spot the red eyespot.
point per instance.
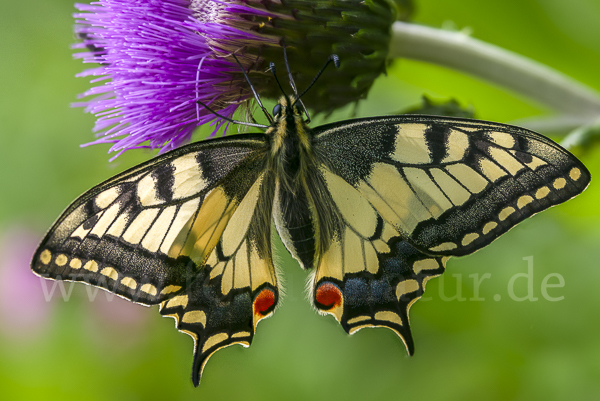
(264, 301)
(328, 295)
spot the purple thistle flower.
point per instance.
(157, 58)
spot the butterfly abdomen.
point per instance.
(296, 224)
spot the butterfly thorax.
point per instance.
(290, 137)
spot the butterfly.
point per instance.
(373, 207)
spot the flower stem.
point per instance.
(520, 74)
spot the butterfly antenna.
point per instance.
(293, 84)
(274, 72)
(230, 119)
(336, 62)
(287, 66)
(266, 113)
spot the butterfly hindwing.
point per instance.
(189, 229)
(450, 186)
(237, 287)
(368, 275)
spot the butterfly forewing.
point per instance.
(124, 234)
(450, 186)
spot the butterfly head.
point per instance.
(288, 118)
(286, 108)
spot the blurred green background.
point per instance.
(481, 345)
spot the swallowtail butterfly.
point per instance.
(374, 207)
